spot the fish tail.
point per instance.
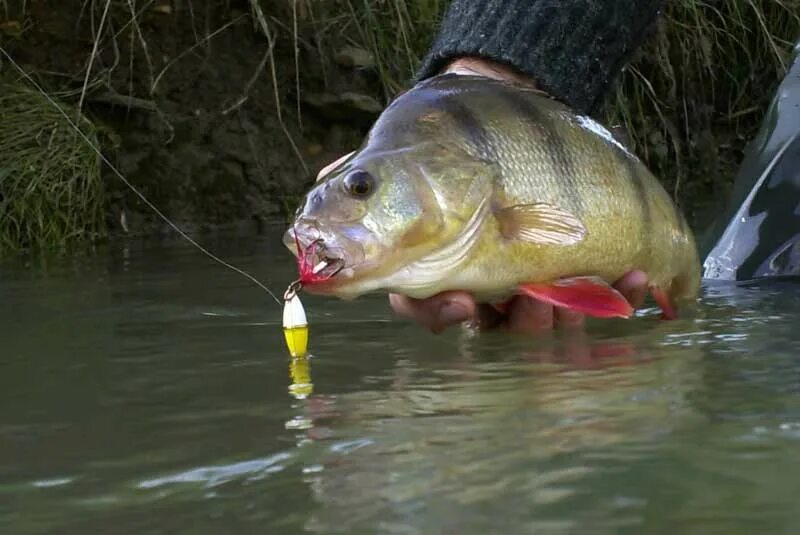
(664, 302)
(682, 289)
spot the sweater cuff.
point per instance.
(573, 49)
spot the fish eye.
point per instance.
(359, 184)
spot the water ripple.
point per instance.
(55, 482)
(217, 475)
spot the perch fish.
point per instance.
(466, 183)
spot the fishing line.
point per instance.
(133, 188)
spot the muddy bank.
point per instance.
(186, 95)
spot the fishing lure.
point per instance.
(295, 323)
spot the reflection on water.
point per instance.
(493, 435)
(145, 390)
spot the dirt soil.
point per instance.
(206, 144)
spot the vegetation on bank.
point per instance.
(699, 88)
(689, 101)
(50, 187)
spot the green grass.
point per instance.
(50, 187)
(396, 32)
(700, 86)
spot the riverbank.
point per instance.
(221, 113)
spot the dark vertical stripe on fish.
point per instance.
(632, 167)
(556, 145)
(467, 123)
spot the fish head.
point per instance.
(368, 218)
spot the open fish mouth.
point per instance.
(316, 262)
(328, 258)
(322, 262)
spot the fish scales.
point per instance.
(545, 155)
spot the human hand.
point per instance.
(489, 69)
(523, 314)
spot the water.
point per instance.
(145, 390)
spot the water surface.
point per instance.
(144, 389)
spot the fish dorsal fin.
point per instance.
(540, 223)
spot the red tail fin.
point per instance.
(663, 302)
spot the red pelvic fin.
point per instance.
(664, 303)
(590, 295)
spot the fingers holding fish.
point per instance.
(473, 66)
(436, 313)
(522, 314)
(569, 318)
(633, 286)
(529, 315)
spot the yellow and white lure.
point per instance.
(295, 324)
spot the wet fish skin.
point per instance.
(483, 186)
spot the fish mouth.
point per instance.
(323, 264)
(318, 262)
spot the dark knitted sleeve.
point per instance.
(572, 48)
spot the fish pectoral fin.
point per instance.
(589, 295)
(540, 223)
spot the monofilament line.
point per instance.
(133, 188)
